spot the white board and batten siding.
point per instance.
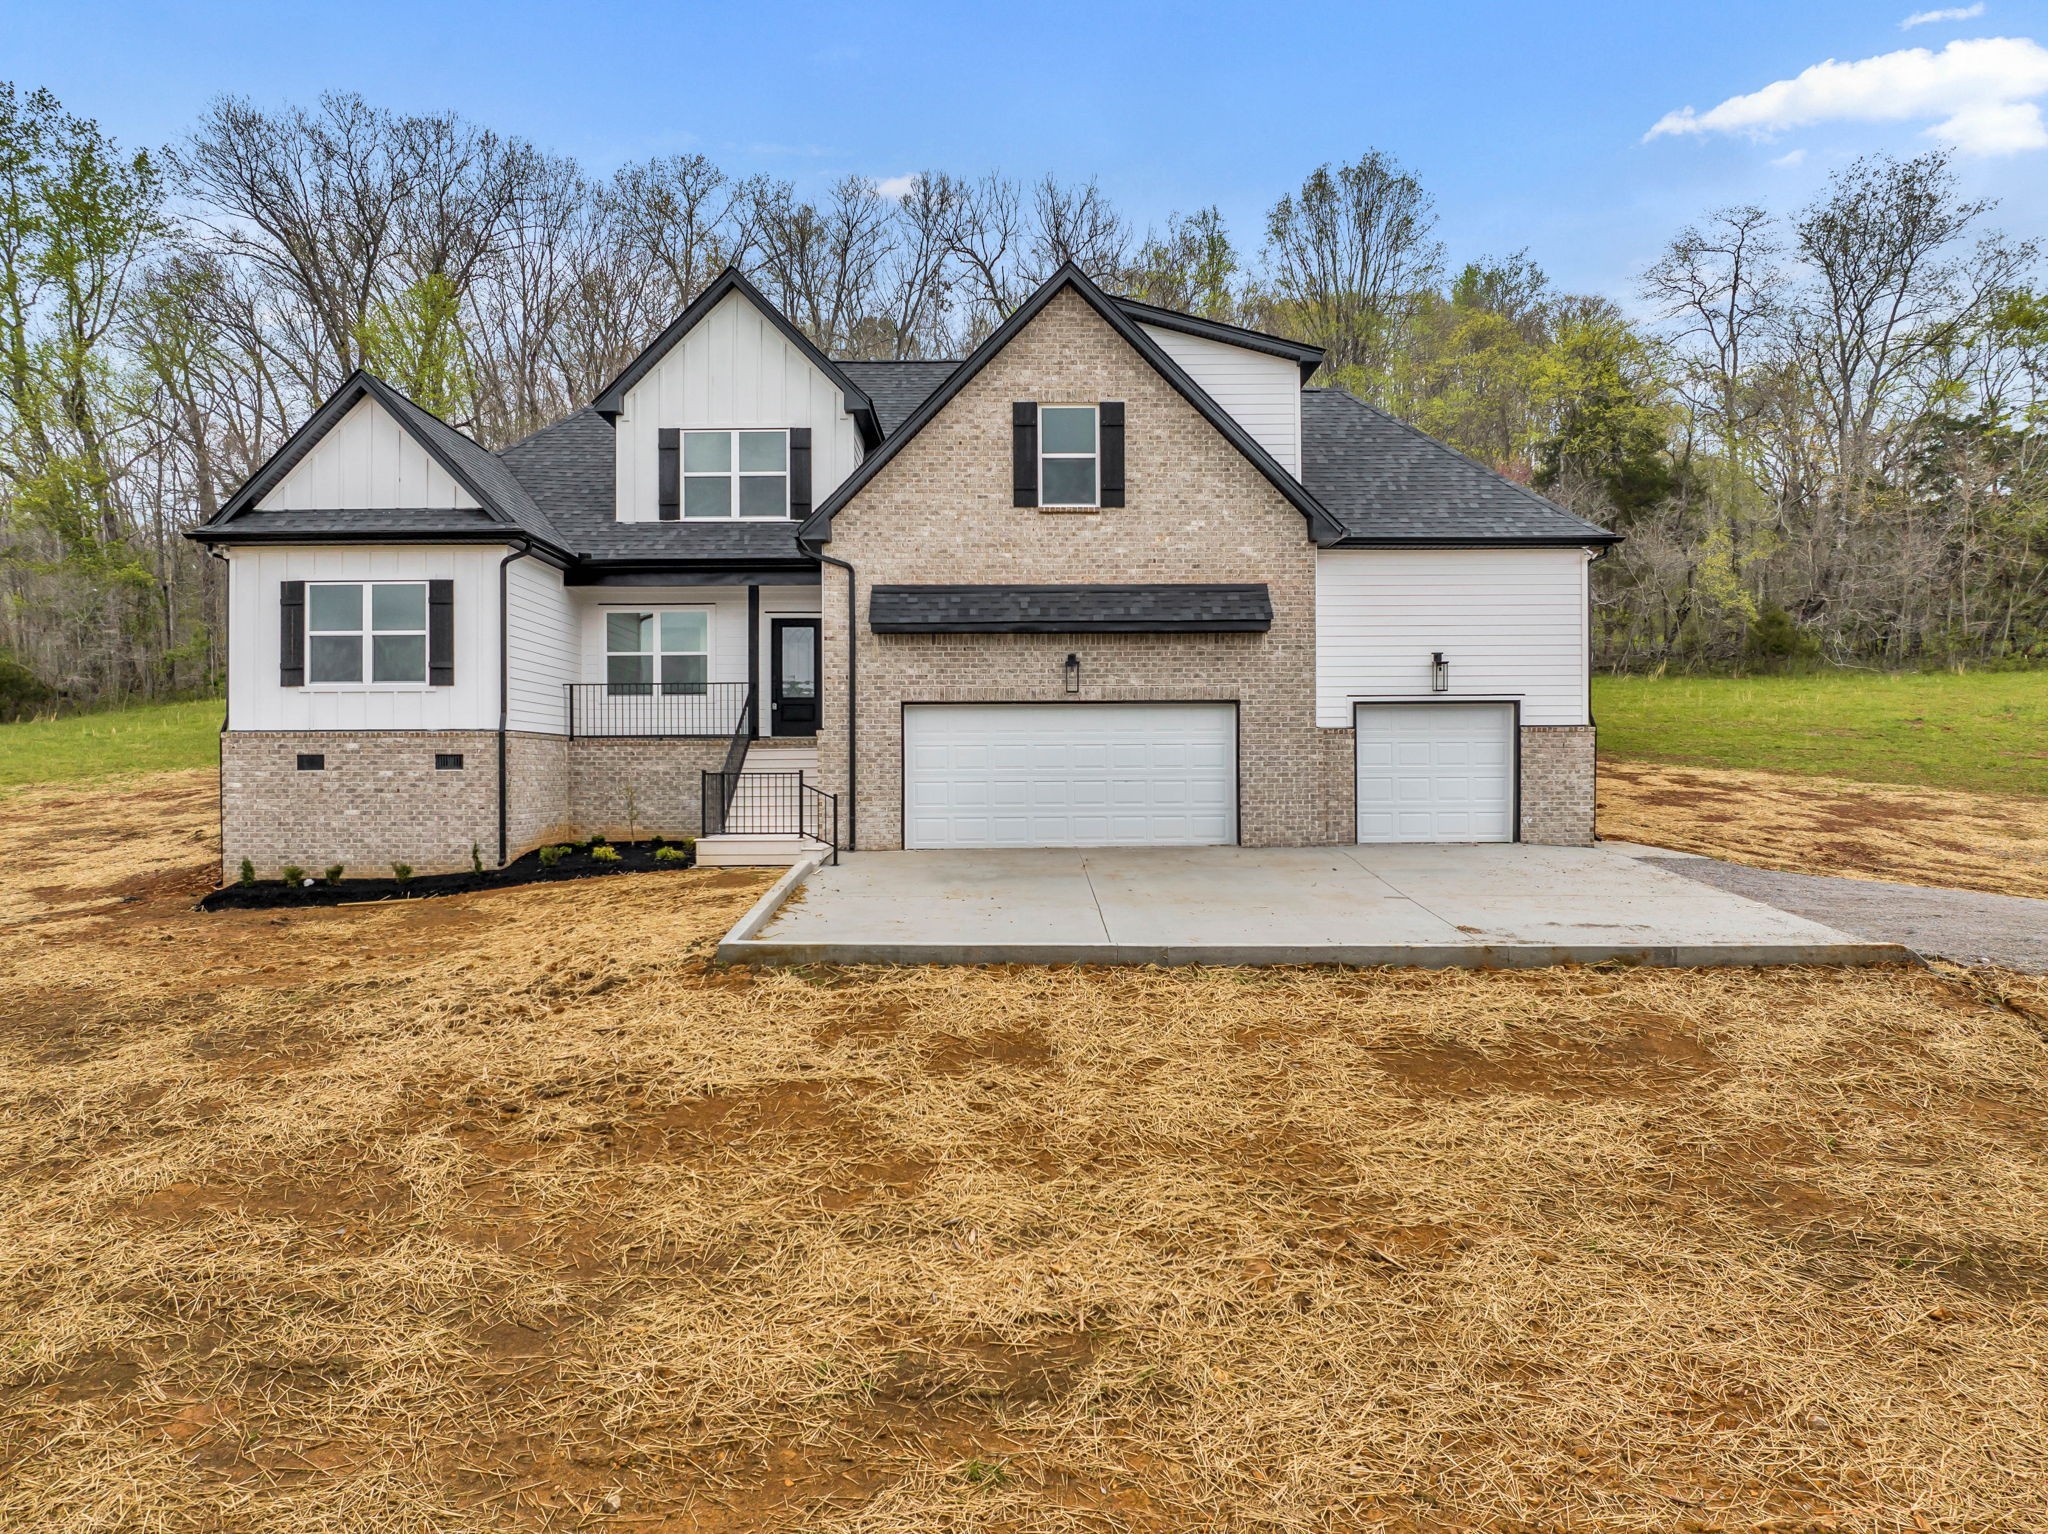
(367, 462)
(1511, 622)
(1260, 391)
(733, 369)
(258, 701)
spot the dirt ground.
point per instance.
(1805, 825)
(506, 1212)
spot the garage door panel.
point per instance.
(1436, 772)
(1126, 774)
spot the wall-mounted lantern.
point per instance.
(1073, 671)
(1439, 673)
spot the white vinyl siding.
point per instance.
(540, 647)
(736, 370)
(1260, 391)
(1436, 772)
(1069, 775)
(367, 462)
(257, 700)
(1511, 622)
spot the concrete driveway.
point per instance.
(1486, 906)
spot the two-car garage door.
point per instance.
(1069, 774)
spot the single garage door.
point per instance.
(1436, 772)
(1069, 774)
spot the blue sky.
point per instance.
(1528, 123)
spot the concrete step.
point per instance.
(762, 758)
(751, 850)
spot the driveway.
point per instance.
(1480, 906)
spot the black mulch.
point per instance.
(634, 858)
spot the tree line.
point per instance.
(1821, 431)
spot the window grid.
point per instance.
(1069, 445)
(735, 475)
(671, 647)
(366, 633)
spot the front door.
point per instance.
(793, 676)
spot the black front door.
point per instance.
(793, 676)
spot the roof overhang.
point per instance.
(1308, 358)
(1581, 541)
(668, 572)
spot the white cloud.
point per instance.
(1790, 158)
(1981, 93)
(1948, 13)
(896, 188)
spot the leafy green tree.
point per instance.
(415, 343)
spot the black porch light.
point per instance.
(1439, 673)
(1073, 671)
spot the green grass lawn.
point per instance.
(1984, 730)
(156, 737)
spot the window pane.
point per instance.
(764, 495)
(629, 675)
(682, 673)
(334, 607)
(1069, 482)
(685, 631)
(1067, 429)
(331, 658)
(764, 450)
(398, 607)
(707, 452)
(398, 658)
(704, 496)
(629, 631)
(800, 662)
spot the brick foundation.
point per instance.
(1557, 785)
(619, 785)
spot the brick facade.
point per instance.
(1196, 510)
(379, 798)
(1557, 785)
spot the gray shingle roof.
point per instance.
(1186, 609)
(1386, 482)
(897, 388)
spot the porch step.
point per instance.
(743, 849)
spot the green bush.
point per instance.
(1775, 639)
(248, 873)
(333, 875)
(22, 692)
(402, 872)
(476, 859)
(670, 855)
(550, 856)
(293, 874)
(602, 853)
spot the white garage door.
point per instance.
(1069, 774)
(1436, 772)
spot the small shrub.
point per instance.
(402, 872)
(22, 692)
(602, 853)
(476, 858)
(687, 843)
(983, 1472)
(293, 874)
(670, 855)
(333, 874)
(550, 856)
(248, 873)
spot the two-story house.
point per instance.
(1119, 577)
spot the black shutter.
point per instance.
(671, 477)
(1024, 452)
(440, 633)
(291, 634)
(799, 472)
(1110, 417)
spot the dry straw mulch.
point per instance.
(1831, 826)
(506, 1212)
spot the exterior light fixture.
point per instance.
(1439, 673)
(1073, 671)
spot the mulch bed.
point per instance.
(634, 858)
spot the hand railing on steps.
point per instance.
(770, 804)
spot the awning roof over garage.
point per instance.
(1192, 609)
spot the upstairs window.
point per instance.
(366, 631)
(1068, 455)
(741, 474)
(648, 651)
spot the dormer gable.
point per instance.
(732, 365)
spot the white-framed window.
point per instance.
(743, 474)
(646, 652)
(1068, 462)
(366, 633)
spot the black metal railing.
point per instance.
(658, 708)
(770, 804)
